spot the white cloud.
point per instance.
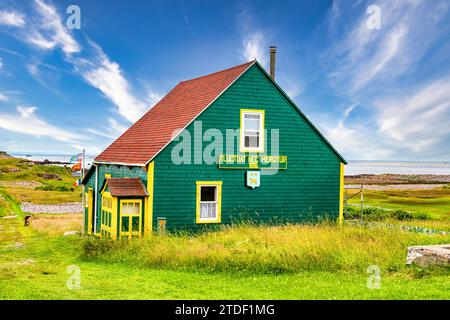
(253, 37)
(356, 142)
(37, 39)
(369, 66)
(417, 120)
(153, 97)
(414, 124)
(253, 48)
(93, 65)
(113, 130)
(3, 97)
(378, 56)
(12, 18)
(27, 122)
(107, 76)
(51, 24)
(32, 69)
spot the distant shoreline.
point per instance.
(354, 167)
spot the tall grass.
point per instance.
(280, 249)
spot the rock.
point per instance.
(26, 261)
(50, 176)
(10, 217)
(4, 155)
(70, 233)
(14, 246)
(425, 256)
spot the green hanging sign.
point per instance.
(241, 161)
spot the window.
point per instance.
(252, 130)
(209, 201)
(130, 218)
(106, 215)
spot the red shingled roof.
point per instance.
(150, 134)
(126, 187)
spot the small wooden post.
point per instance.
(27, 220)
(162, 225)
(362, 201)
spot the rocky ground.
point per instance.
(74, 207)
(394, 179)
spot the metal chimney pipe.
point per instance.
(273, 52)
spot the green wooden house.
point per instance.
(216, 150)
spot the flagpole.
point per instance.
(82, 192)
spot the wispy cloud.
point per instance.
(26, 121)
(369, 66)
(32, 69)
(253, 48)
(48, 33)
(107, 76)
(418, 119)
(3, 97)
(253, 38)
(52, 33)
(153, 97)
(113, 130)
(375, 56)
(12, 18)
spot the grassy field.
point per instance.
(28, 182)
(38, 268)
(435, 203)
(243, 262)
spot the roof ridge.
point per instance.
(220, 71)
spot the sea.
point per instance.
(354, 167)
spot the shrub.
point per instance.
(56, 186)
(377, 214)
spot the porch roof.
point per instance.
(126, 187)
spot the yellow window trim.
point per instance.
(217, 184)
(106, 194)
(113, 229)
(242, 147)
(130, 233)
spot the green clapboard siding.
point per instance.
(307, 190)
(115, 172)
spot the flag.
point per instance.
(77, 183)
(76, 158)
(76, 166)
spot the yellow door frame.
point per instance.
(148, 202)
(90, 210)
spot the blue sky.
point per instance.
(376, 93)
